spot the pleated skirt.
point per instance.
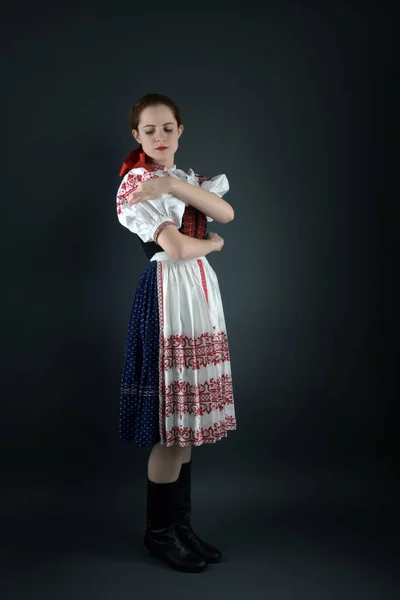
(176, 385)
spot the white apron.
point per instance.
(195, 389)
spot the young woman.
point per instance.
(176, 388)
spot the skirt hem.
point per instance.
(180, 444)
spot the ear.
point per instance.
(136, 135)
(180, 130)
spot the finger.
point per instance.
(135, 198)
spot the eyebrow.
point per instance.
(154, 125)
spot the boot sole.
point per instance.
(213, 561)
(182, 568)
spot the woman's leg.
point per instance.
(165, 462)
(163, 498)
(187, 454)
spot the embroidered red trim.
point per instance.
(182, 397)
(193, 353)
(130, 185)
(186, 436)
(194, 223)
(160, 228)
(203, 278)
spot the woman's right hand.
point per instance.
(217, 239)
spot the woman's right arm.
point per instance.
(182, 247)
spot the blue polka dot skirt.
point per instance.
(176, 385)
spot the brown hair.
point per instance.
(152, 100)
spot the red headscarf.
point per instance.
(137, 158)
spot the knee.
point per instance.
(169, 451)
(179, 451)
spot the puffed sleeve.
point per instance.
(218, 185)
(147, 219)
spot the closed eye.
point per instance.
(165, 129)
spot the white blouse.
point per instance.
(144, 218)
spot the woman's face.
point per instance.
(158, 133)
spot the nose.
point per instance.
(160, 135)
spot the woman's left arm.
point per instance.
(208, 203)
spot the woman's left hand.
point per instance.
(151, 189)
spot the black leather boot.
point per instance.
(184, 528)
(161, 538)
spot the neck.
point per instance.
(168, 163)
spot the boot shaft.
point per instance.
(162, 502)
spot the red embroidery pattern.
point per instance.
(182, 397)
(203, 278)
(202, 222)
(189, 222)
(181, 351)
(194, 223)
(160, 228)
(130, 185)
(127, 187)
(201, 225)
(185, 436)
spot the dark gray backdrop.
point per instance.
(286, 100)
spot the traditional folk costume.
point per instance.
(176, 383)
